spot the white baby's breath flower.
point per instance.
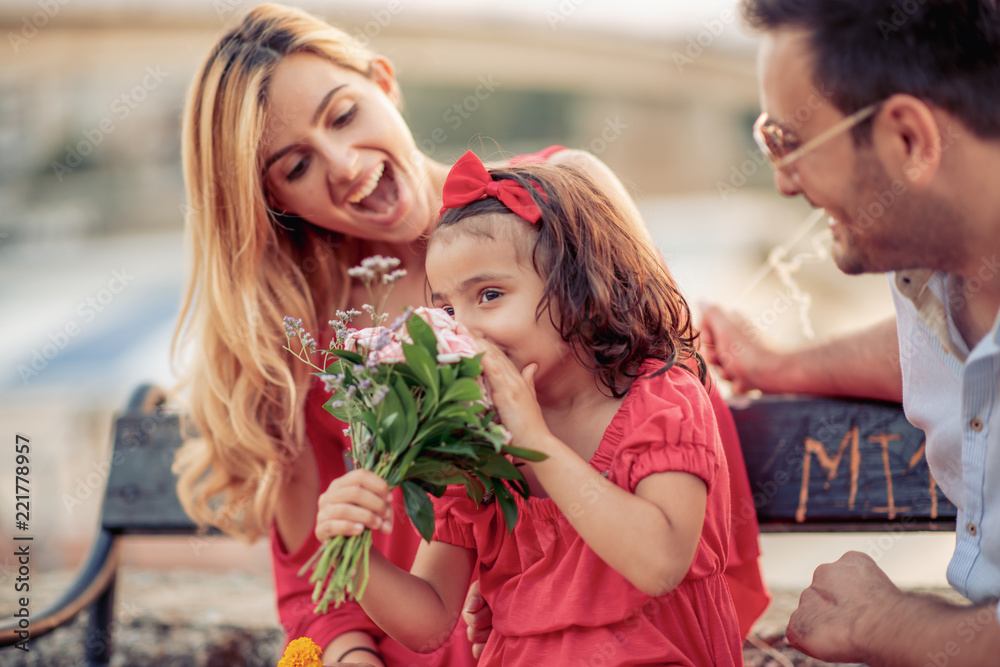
(361, 273)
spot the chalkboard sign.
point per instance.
(829, 464)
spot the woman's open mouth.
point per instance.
(379, 193)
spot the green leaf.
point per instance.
(459, 448)
(405, 372)
(422, 335)
(464, 390)
(433, 489)
(507, 505)
(370, 420)
(497, 440)
(436, 473)
(465, 414)
(526, 454)
(437, 429)
(409, 407)
(335, 368)
(495, 465)
(399, 471)
(390, 420)
(391, 427)
(521, 486)
(340, 413)
(448, 375)
(350, 357)
(419, 508)
(474, 488)
(470, 368)
(424, 366)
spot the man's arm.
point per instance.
(852, 612)
(864, 364)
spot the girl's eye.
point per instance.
(345, 118)
(298, 170)
(449, 310)
(489, 295)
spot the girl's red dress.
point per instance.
(555, 602)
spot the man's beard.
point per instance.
(901, 228)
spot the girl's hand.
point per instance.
(479, 617)
(514, 397)
(354, 501)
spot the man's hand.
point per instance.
(731, 343)
(479, 617)
(838, 612)
(853, 613)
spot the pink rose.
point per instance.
(452, 346)
(391, 353)
(453, 340)
(439, 320)
(363, 340)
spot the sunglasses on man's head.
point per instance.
(783, 147)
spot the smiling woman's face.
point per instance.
(337, 152)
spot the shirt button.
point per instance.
(976, 425)
(971, 528)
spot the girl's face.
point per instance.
(337, 152)
(486, 286)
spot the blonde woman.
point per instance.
(298, 164)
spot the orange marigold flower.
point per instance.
(301, 652)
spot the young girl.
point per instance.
(618, 556)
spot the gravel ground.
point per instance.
(147, 642)
(220, 619)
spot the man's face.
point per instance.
(878, 223)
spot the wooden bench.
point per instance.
(815, 465)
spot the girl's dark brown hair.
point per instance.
(607, 290)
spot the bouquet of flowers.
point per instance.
(418, 415)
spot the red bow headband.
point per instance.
(468, 181)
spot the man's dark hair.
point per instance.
(946, 52)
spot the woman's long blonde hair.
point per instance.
(249, 267)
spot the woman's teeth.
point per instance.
(369, 185)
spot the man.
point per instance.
(904, 158)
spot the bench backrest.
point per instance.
(141, 495)
(814, 464)
(837, 465)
